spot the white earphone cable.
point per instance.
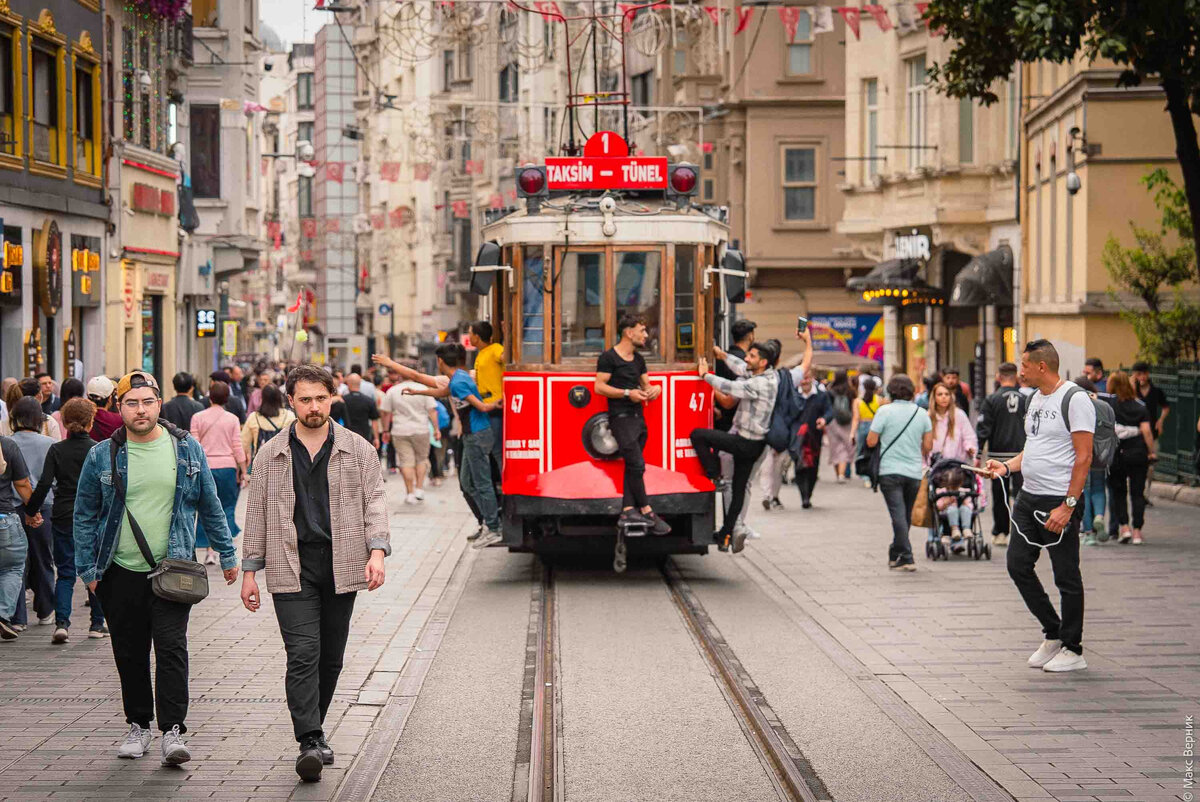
(1039, 516)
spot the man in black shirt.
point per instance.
(952, 381)
(621, 378)
(362, 414)
(180, 409)
(1153, 397)
(742, 332)
(1002, 431)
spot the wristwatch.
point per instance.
(626, 393)
(1070, 501)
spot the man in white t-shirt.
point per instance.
(1059, 426)
(407, 415)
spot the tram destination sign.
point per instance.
(606, 172)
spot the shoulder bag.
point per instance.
(875, 455)
(181, 581)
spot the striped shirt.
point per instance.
(756, 394)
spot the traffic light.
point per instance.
(532, 186)
(683, 181)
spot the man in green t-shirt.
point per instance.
(167, 484)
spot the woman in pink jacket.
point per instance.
(220, 435)
(953, 438)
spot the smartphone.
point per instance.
(801, 324)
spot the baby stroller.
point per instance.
(949, 480)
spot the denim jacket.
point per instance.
(98, 518)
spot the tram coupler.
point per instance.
(620, 553)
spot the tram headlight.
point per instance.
(682, 182)
(598, 440)
(531, 185)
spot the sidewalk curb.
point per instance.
(1173, 492)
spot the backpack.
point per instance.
(264, 434)
(785, 416)
(841, 409)
(1104, 442)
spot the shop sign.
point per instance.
(913, 244)
(13, 256)
(229, 332)
(85, 279)
(129, 291)
(70, 351)
(157, 280)
(152, 200)
(206, 323)
(860, 335)
(33, 351)
(48, 262)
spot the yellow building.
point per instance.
(1079, 121)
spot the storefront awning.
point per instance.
(896, 282)
(986, 280)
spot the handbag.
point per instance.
(182, 581)
(920, 510)
(876, 454)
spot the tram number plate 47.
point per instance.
(606, 172)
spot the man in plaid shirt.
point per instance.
(756, 394)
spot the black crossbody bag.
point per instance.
(874, 455)
(181, 581)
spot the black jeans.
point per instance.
(630, 433)
(1124, 482)
(806, 480)
(314, 622)
(899, 494)
(1064, 559)
(39, 569)
(1000, 522)
(745, 453)
(136, 619)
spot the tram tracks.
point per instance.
(538, 776)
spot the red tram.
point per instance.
(602, 235)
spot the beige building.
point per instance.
(930, 184)
(770, 148)
(1079, 120)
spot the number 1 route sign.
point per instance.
(606, 164)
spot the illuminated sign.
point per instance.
(84, 261)
(606, 172)
(206, 323)
(14, 255)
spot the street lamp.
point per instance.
(304, 152)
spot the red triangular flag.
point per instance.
(378, 221)
(744, 15)
(389, 171)
(790, 17)
(852, 16)
(496, 201)
(334, 171)
(308, 226)
(460, 208)
(881, 17)
(714, 14)
(548, 9)
(294, 308)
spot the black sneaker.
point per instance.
(309, 762)
(657, 525)
(7, 630)
(326, 751)
(807, 505)
(722, 541)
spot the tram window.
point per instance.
(533, 304)
(583, 304)
(637, 290)
(685, 303)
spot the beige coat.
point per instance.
(357, 513)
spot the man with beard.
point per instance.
(136, 503)
(341, 539)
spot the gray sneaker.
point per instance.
(488, 538)
(174, 750)
(475, 535)
(136, 742)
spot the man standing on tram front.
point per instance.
(621, 377)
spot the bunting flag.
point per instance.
(460, 209)
(474, 167)
(714, 14)
(306, 256)
(512, 195)
(335, 171)
(308, 226)
(628, 11)
(272, 228)
(822, 19)
(400, 216)
(378, 221)
(421, 171)
(852, 16)
(881, 17)
(744, 15)
(294, 308)
(707, 147)
(333, 225)
(496, 201)
(390, 171)
(790, 17)
(548, 9)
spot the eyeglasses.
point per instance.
(132, 404)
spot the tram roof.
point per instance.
(576, 218)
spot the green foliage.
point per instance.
(1165, 332)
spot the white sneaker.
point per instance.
(174, 751)
(136, 742)
(46, 621)
(419, 493)
(411, 498)
(488, 538)
(479, 530)
(212, 558)
(1045, 653)
(750, 533)
(1066, 660)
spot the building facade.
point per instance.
(51, 188)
